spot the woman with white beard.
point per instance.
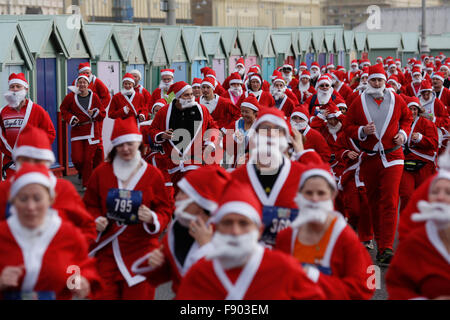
(19, 113)
(238, 267)
(128, 200)
(320, 239)
(421, 266)
(40, 251)
(167, 76)
(189, 235)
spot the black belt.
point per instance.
(83, 123)
(387, 151)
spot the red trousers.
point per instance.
(382, 185)
(355, 208)
(83, 155)
(412, 180)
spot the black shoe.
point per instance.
(385, 258)
(369, 245)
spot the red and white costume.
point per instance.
(96, 85)
(123, 106)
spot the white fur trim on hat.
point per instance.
(438, 77)
(279, 80)
(33, 152)
(255, 77)
(327, 80)
(318, 172)
(442, 174)
(126, 138)
(166, 73)
(209, 84)
(249, 105)
(84, 69)
(301, 115)
(236, 81)
(29, 178)
(275, 120)
(187, 188)
(238, 207)
(18, 81)
(136, 72)
(196, 85)
(305, 76)
(129, 79)
(83, 77)
(182, 90)
(378, 76)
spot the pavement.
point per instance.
(164, 292)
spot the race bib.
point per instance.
(123, 205)
(276, 219)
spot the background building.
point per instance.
(256, 13)
(18, 7)
(351, 13)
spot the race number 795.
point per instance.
(123, 205)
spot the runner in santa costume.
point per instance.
(277, 74)
(287, 72)
(282, 101)
(240, 68)
(445, 69)
(128, 102)
(197, 87)
(320, 239)
(95, 84)
(34, 147)
(171, 122)
(83, 111)
(360, 87)
(236, 142)
(19, 113)
(325, 93)
(315, 73)
(304, 89)
(256, 70)
(420, 152)
(144, 92)
(235, 91)
(393, 70)
(351, 73)
(40, 251)
(127, 198)
(314, 140)
(254, 83)
(238, 267)
(381, 121)
(338, 82)
(163, 89)
(189, 234)
(222, 110)
(441, 92)
(395, 85)
(210, 73)
(420, 268)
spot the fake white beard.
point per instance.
(237, 91)
(414, 80)
(354, 69)
(438, 212)
(362, 86)
(269, 151)
(165, 86)
(233, 251)
(314, 74)
(277, 93)
(123, 169)
(309, 211)
(127, 92)
(187, 103)
(183, 217)
(375, 92)
(335, 129)
(240, 71)
(14, 99)
(300, 126)
(287, 77)
(324, 96)
(303, 87)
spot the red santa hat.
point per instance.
(197, 82)
(324, 79)
(416, 71)
(167, 72)
(413, 101)
(210, 82)
(340, 68)
(411, 61)
(333, 110)
(418, 65)
(240, 62)
(125, 130)
(275, 116)
(305, 74)
(211, 73)
(238, 198)
(251, 102)
(430, 66)
(425, 85)
(339, 75)
(424, 56)
(288, 66)
(316, 65)
(256, 76)
(303, 66)
(354, 63)
(128, 77)
(276, 74)
(204, 70)
(446, 66)
(365, 62)
(82, 67)
(31, 174)
(365, 72)
(178, 88)
(379, 58)
(279, 79)
(18, 78)
(301, 111)
(159, 103)
(393, 79)
(330, 66)
(398, 62)
(83, 76)
(377, 71)
(252, 71)
(33, 143)
(193, 184)
(136, 72)
(391, 64)
(234, 78)
(439, 75)
(257, 67)
(318, 171)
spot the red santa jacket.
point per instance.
(315, 140)
(268, 275)
(49, 260)
(411, 89)
(147, 100)
(344, 90)
(420, 267)
(312, 102)
(344, 268)
(301, 95)
(12, 123)
(135, 104)
(129, 242)
(427, 146)
(228, 95)
(222, 110)
(350, 167)
(101, 90)
(156, 95)
(219, 89)
(67, 202)
(441, 116)
(444, 96)
(89, 127)
(265, 99)
(206, 134)
(291, 95)
(287, 106)
(399, 120)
